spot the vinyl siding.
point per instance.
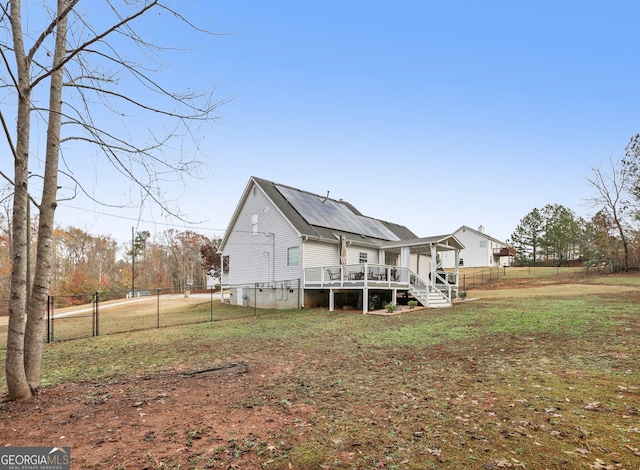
(320, 254)
(353, 254)
(327, 254)
(421, 264)
(473, 254)
(251, 255)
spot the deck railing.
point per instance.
(371, 275)
(354, 274)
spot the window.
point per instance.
(225, 265)
(254, 224)
(483, 243)
(293, 256)
(362, 259)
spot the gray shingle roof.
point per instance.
(338, 218)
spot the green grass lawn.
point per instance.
(525, 380)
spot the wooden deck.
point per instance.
(435, 292)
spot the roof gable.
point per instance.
(481, 234)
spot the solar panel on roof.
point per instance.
(323, 212)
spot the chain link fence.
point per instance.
(104, 313)
(480, 278)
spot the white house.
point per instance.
(480, 250)
(286, 247)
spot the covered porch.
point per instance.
(410, 265)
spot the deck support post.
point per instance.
(365, 300)
(331, 300)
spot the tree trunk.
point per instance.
(17, 384)
(36, 320)
(94, 85)
(623, 238)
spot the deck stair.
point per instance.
(427, 295)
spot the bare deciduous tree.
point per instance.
(74, 62)
(612, 188)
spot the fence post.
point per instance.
(158, 307)
(53, 316)
(48, 318)
(97, 314)
(93, 318)
(211, 304)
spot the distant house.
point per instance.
(480, 250)
(285, 247)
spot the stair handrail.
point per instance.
(436, 276)
(428, 286)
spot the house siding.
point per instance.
(320, 254)
(473, 254)
(353, 254)
(251, 255)
(421, 264)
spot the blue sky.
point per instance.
(428, 114)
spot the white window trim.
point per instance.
(297, 249)
(254, 224)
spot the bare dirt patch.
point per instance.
(189, 419)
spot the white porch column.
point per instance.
(394, 297)
(434, 263)
(405, 257)
(405, 262)
(331, 300)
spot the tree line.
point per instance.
(84, 263)
(610, 238)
